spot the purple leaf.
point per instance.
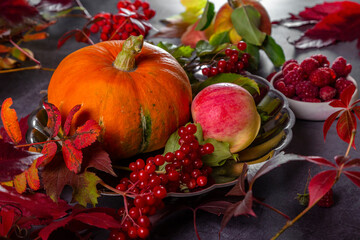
(274, 162)
(215, 207)
(54, 118)
(14, 161)
(239, 188)
(353, 176)
(321, 184)
(320, 161)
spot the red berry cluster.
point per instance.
(236, 62)
(183, 168)
(313, 80)
(130, 20)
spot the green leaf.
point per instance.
(87, 193)
(273, 51)
(254, 52)
(204, 47)
(219, 38)
(219, 156)
(245, 20)
(20, 55)
(245, 82)
(207, 17)
(193, 10)
(176, 51)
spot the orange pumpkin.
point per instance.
(137, 92)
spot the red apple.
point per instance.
(227, 113)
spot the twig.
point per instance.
(78, 2)
(24, 52)
(27, 68)
(272, 208)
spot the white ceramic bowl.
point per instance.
(314, 111)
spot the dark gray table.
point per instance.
(278, 188)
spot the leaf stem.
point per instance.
(24, 52)
(195, 227)
(112, 189)
(27, 68)
(78, 2)
(272, 208)
(38, 143)
(350, 142)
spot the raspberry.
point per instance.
(341, 84)
(288, 91)
(340, 67)
(297, 98)
(288, 62)
(321, 77)
(327, 93)
(323, 61)
(294, 77)
(310, 99)
(309, 65)
(327, 200)
(290, 67)
(306, 90)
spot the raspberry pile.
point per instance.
(183, 169)
(313, 80)
(236, 61)
(131, 19)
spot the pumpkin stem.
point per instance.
(125, 60)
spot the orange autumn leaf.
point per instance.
(10, 121)
(35, 36)
(72, 156)
(32, 176)
(4, 49)
(20, 182)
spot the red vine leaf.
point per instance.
(10, 121)
(46, 231)
(354, 176)
(320, 161)
(49, 151)
(345, 125)
(320, 184)
(243, 207)
(7, 217)
(86, 134)
(239, 188)
(54, 118)
(329, 121)
(67, 124)
(340, 160)
(353, 163)
(32, 177)
(357, 111)
(320, 11)
(15, 11)
(72, 156)
(215, 207)
(14, 161)
(73, 33)
(97, 158)
(347, 94)
(337, 104)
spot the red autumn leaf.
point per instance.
(54, 118)
(67, 124)
(337, 104)
(66, 36)
(37, 208)
(32, 177)
(4, 49)
(14, 161)
(357, 111)
(23, 123)
(7, 217)
(72, 156)
(20, 182)
(243, 207)
(329, 121)
(10, 121)
(86, 134)
(353, 176)
(345, 125)
(16, 11)
(48, 151)
(35, 36)
(321, 10)
(320, 161)
(239, 188)
(46, 231)
(97, 158)
(320, 184)
(340, 160)
(353, 163)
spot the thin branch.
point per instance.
(78, 2)
(272, 208)
(24, 52)
(27, 68)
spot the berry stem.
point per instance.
(112, 189)
(125, 60)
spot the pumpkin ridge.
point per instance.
(146, 129)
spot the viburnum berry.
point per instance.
(205, 71)
(241, 45)
(143, 232)
(201, 181)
